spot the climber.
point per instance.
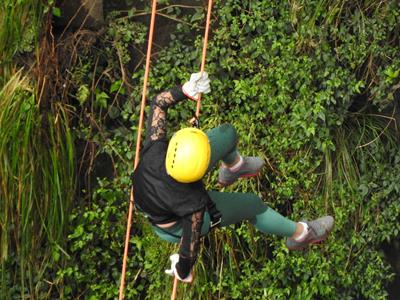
(169, 189)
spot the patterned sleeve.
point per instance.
(157, 121)
(189, 248)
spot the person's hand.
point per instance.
(173, 272)
(198, 83)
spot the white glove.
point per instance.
(198, 83)
(172, 272)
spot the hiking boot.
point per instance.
(318, 231)
(250, 167)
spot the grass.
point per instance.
(36, 179)
(36, 161)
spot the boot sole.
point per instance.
(323, 238)
(306, 246)
(225, 184)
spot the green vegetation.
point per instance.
(312, 86)
(36, 160)
(20, 22)
(36, 183)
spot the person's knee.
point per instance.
(229, 132)
(255, 206)
(256, 202)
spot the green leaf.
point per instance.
(101, 99)
(56, 11)
(115, 86)
(113, 112)
(83, 94)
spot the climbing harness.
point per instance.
(215, 218)
(215, 215)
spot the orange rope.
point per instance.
(139, 133)
(202, 66)
(203, 58)
(174, 288)
(142, 108)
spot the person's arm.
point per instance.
(157, 121)
(189, 248)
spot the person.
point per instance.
(169, 189)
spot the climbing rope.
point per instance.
(138, 140)
(195, 120)
(139, 133)
(203, 56)
(174, 288)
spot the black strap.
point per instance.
(215, 214)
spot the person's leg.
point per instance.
(236, 207)
(223, 141)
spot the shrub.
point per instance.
(303, 82)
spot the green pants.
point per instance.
(234, 207)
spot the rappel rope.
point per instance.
(139, 134)
(197, 114)
(203, 56)
(138, 140)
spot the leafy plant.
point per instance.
(309, 85)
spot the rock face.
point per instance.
(80, 14)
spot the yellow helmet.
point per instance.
(188, 155)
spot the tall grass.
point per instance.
(361, 131)
(356, 143)
(36, 161)
(36, 182)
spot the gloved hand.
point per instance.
(173, 272)
(198, 83)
